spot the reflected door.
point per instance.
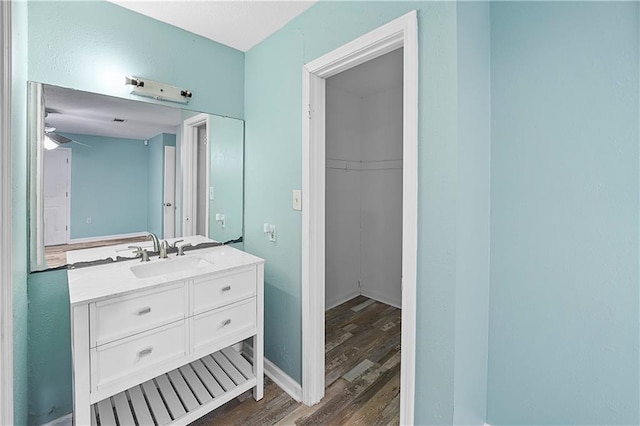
(169, 219)
(57, 183)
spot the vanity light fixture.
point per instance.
(158, 91)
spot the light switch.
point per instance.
(211, 192)
(297, 199)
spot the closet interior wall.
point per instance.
(363, 195)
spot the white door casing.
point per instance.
(169, 199)
(188, 154)
(402, 32)
(6, 208)
(57, 191)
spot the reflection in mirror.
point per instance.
(108, 171)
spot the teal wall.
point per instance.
(155, 181)
(273, 73)
(474, 152)
(226, 136)
(73, 44)
(19, 14)
(563, 345)
(50, 386)
(76, 44)
(109, 185)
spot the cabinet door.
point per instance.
(218, 290)
(124, 316)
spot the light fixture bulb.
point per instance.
(49, 143)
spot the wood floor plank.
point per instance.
(371, 408)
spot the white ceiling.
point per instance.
(74, 111)
(377, 75)
(236, 23)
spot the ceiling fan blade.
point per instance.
(83, 144)
(58, 138)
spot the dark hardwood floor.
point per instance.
(362, 366)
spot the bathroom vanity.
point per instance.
(163, 339)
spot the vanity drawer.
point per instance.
(213, 326)
(118, 360)
(218, 290)
(127, 315)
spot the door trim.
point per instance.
(6, 210)
(189, 172)
(401, 32)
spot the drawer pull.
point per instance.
(144, 310)
(226, 288)
(145, 351)
(225, 323)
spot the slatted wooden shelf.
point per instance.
(179, 396)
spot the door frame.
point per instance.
(401, 32)
(189, 172)
(6, 210)
(166, 155)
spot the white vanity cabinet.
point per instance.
(165, 350)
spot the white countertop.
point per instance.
(93, 283)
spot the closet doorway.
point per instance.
(347, 224)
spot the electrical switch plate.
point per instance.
(272, 233)
(211, 192)
(297, 199)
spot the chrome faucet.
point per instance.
(156, 242)
(163, 250)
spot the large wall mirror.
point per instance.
(106, 170)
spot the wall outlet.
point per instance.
(297, 199)
(270, 231)
(89, 220)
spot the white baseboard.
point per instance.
(283, 380)
(279, 377)
(339, 301)
(66, 420)
(381, 297)
(107, 237)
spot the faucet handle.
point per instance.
(181, 249)
(140, 252)
(175, 243)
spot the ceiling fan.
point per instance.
(53, 140)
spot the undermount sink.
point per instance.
(168, 266)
